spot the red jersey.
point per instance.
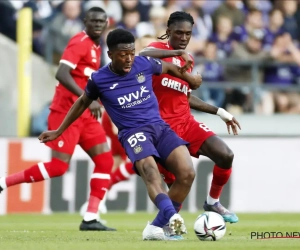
(172, 93)
(83, 56)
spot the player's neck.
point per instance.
(96, 41)
(111, 68)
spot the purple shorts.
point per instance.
(157, 140)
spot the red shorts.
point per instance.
(116, 147)
(196, 133)
(87, 132)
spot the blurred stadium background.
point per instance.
(248, 54)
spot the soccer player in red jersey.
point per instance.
(80, 58)
(175, 101)
(122, 168)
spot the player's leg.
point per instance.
(203, 141)
(62, 150)
(93, 142)
(141, 150)
(217, 150)
(179, 178)
(124, 169)
(122, 173)
(148, 170)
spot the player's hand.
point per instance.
(188, 62)
(233, 125)
(95, 109)
(197, 80)
(48, 136)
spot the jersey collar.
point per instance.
(94, 45)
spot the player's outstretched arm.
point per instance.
(199, 105)
(194, 81)
(163, 53)
(76, 110)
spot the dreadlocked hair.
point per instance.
(177, 16)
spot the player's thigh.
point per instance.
(196, 133)
(173, 152)
(138, 145)
(179, 163)
(93, 137)
(66, 142)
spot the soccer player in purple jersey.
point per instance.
(125, 89)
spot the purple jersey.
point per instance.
(131, 104)
(129, 99)
(283, 74)
(240, 33)
(212, 72)
(269, 37)
(224, 48)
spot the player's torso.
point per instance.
(89, 63)
(172, 94)
(129, 100)
(90, 58)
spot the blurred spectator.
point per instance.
(143, 42)
(263, 5)
(251, 50)
(199, 33)
(291, 18)
(231, 9)
(203, 21)
(130, 20)
(112, 8)
(156, 27)
(42, 10)
(211, 72)
(273, 29)
(253, 22)
(42, 13)
(129, 5)
(287, 75)
(223, 37)
(209, 6)
(64, 26)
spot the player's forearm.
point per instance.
(173, 70)
(65, 78)
(160, 53)
(75, 111)
(199, 105)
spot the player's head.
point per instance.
(95, 22)
(179, 31)
(121, 50)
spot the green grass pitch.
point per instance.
(60, 231)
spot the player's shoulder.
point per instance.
(79, 38)
(159, 45)
(142, 60)
(101, 73)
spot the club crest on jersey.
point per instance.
(176, 61)
(137, 149)
(140, 77)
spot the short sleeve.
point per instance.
(72, 54)
(156, 65)
(91, 89)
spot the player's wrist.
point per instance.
(224, 115)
